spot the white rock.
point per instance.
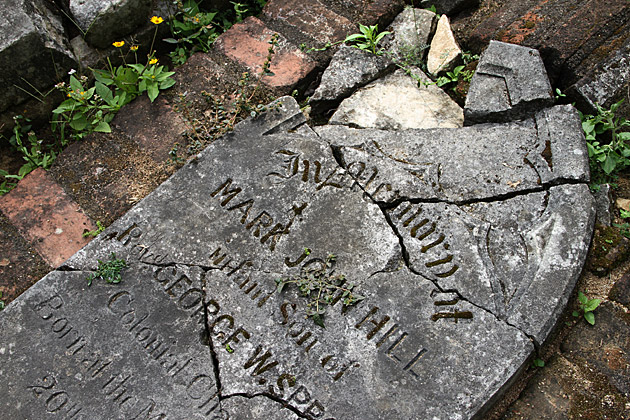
(396, 102)
(444, 51)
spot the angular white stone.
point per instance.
(396, 102)
(444, 51)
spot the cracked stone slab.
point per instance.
(450, 279)
(510, 83)
(465, 164)
(349, 69)
(105, 351)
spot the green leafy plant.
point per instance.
(538, 363)
(624, 228)
(368, 39)
(94, 233)
(607, 156)
(194, 29)
(1, 302)
(86, 110)
(323, 287)
(33, 151)
(91, 109)
(586, 307)
(108, 270)
(454, 76)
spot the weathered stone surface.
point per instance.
(105, 352)
(20, 265)
(349, 69)
(396, 102)
(33, 50)
(447, 285)
(603, 204)
(444, 51)
(605, 82)
(466, 164)
(106, 21)
(510, 83)
(154, 126)
(411, 33)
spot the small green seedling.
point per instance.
(1, 302)
(624, 228)
(587, 306)
(96, 232)
(538, 363)
(368, 39)
(108, 271)
(228, 348)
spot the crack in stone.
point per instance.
(272, 397)
(384, 206)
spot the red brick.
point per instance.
(46, 217)
(248, 42)
(312, 19)
(154, 126)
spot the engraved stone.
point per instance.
(464, 243)
(510, 83)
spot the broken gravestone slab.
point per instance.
(399, 101)
(465, 164)
(510, 83)
(198, 329)
(349, 69)
(33, 50)
(449, 181)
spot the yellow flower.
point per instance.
(134, 48)
(153, 61)
(118, 44)
(156, 20)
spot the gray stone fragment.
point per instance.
(349, 69)
(411, 34)
(33, 51)
(465, 164)
(396, 102)
(107, 21)
(282, 115)
(510, 83)
(518, 258)
(133, 350)
(603, 202)
(405, 352)
(444, 52)
(605, 83)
